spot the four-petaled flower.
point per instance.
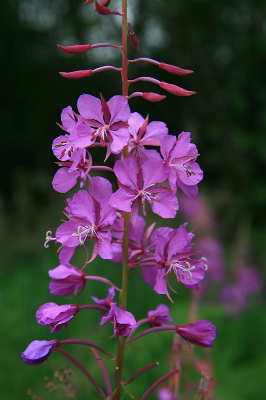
(180, 155)
(87, 219)
(108, 120)
(139, 183)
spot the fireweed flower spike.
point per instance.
(38, 351)
(123, 320)
(111, 220)
(54, 316)
(201, 333)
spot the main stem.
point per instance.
(125, 269)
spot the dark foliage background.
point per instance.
(224, 42)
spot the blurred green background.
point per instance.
(224, 42)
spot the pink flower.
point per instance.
(38, 351)
(88, 219)
(66, 279)
(54, 316)
(140, 184)
(123, 320)
(202, 333)
(172, 255)
(180, 155)
(109, 120)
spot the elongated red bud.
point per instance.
(176, 90)
(172, 69)
(77, 49)
(88, 2)
(134, 41)
(77, 74)
(153, 97)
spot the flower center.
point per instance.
(84, 231)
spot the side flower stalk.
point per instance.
(109, 216)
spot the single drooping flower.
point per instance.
(108, 301)
(87, 219)
(38, 351)
(54, 316)
(66, 279)
(122, 320)
(159, 316)
(172, 255)
(144, 134)
(108, 120)
(202, 333)
(138, 184)
(180, 155)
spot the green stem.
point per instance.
(125, 269)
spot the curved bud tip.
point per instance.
(88, 2)
(77, 49)
(172, 69)
(176, 90)
(77, 74)
(105, 3)
(103, 10)
(153, 97)
(134, 41)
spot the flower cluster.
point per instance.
(150, 167)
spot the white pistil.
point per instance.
(85, 230)
(181, 266)
(48, 238)
(204, 262)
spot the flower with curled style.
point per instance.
(172, 255)
(140, 183)
(88, 218)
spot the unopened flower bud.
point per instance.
(134, 41)
(176, 90)
(77, 49)
(88, 2)
(153, 97)
(172, 69)
(202, 333)
(103, 10)
(77, 74)
(38, 351)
